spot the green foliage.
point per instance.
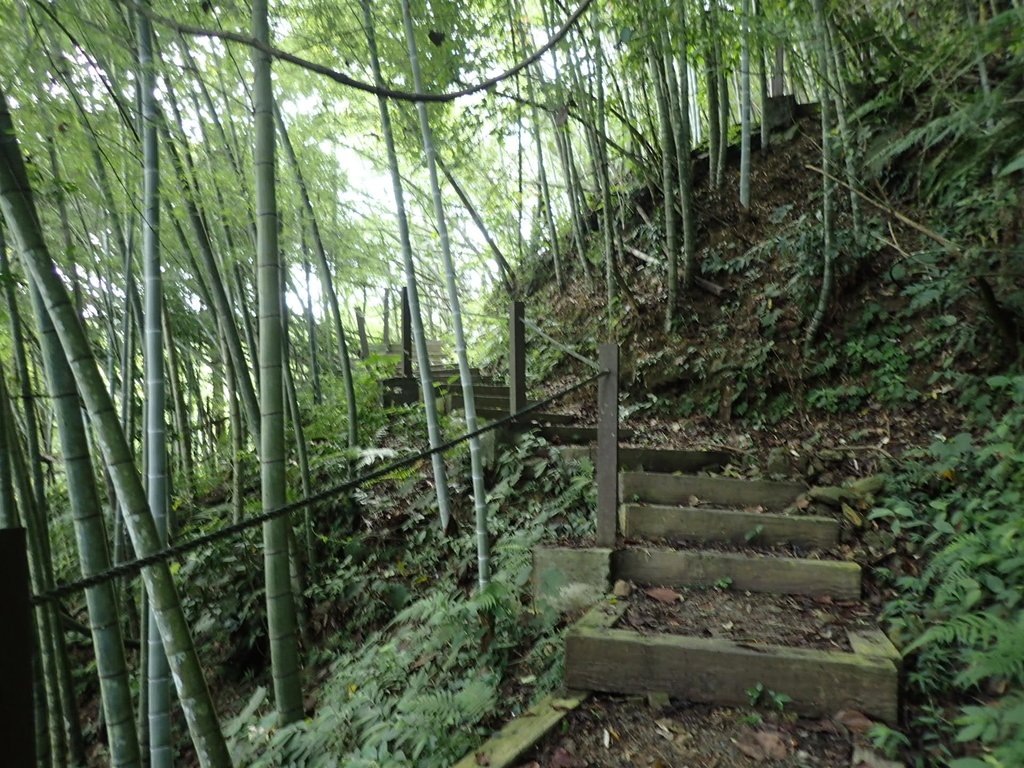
(760, 696)
(425, 676)
(959, 615)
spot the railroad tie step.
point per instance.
(719, 671)
(707, 524)
(747, 572)
(654, 459)
(662, 488)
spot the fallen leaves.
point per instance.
(853, 720)
(663, 595)
(763, 745)
(563, 758)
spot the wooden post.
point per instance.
(516, 358)
(16, 708)
(406, 335)
(607, 466)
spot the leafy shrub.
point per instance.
(959, 614)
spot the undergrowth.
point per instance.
(956, 509)
(446, 660)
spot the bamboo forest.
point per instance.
(512, 383)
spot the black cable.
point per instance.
(132, 567)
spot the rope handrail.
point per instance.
(559, 345)
(132, 567)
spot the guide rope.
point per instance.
(559, 345)
(173, 551)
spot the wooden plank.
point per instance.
(721, 672)
(875, 643)
(517, 736)
(750, 573)
(483, 402)
(530, 418)
(569, 435)
(16, 650)
(505, 748)
(655, 460)
(479, 390)
(728, 525)
(657, 488)
(607, 464)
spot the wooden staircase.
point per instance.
(698, 532)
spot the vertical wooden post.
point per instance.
(607, 465)
(16, 708)
(516, 358)
(406, 335)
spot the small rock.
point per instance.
(866, 758)
(622, 588)
(657, 700)
(778, 461)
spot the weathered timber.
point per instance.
(658, 488)
(721, 671)
(479, 390)
(875, 643)
(727, 525)
(576, 435)
(529, 419)
(517, 736)
(483, 402)
(508, 745)
(655, 460)
(451, 372)
(751, 573)
(607, 457)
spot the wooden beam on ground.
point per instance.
(717, 671)
(529, 419)
(483, 402)
(750, 573)
(649, 521)
(509, 744)
(875, 643)
(573, 435)
(656, 460)
(657, 488)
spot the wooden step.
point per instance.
(447, 372)
(434, 347)
(577, 435)
(819, 683)
(659, 488)
(483, 402)
(530, 418)
(751, 573)
(637, 521)
(479, 390)
(655, 460)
